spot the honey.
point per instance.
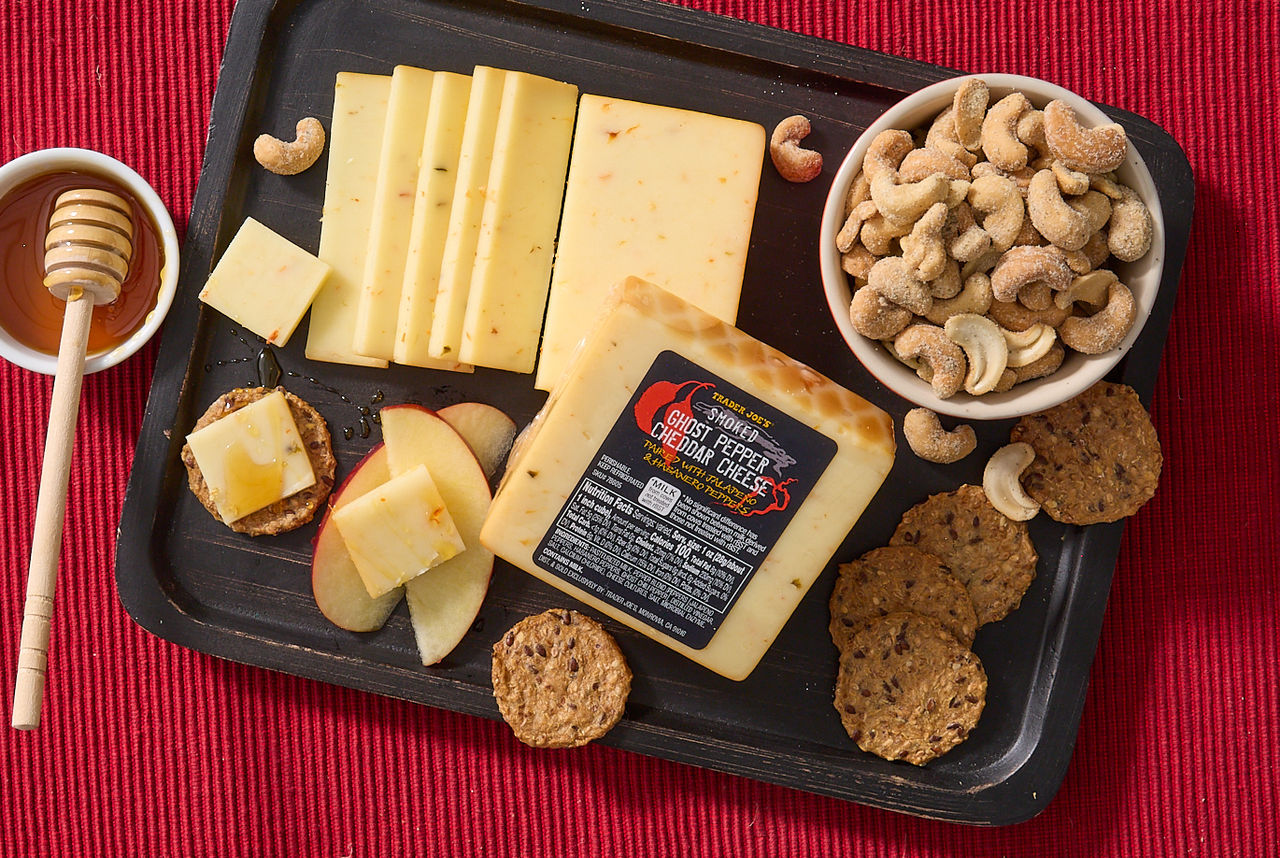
(28, 312)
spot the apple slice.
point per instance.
(444, 600)
(487, 430)
(338, 588)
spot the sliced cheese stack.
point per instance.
(688, 480)
(656, 192)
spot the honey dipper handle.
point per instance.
(51, 506)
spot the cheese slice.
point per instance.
(259, 263)
(508, 291)
(398, 530)
(252, 457)
(392, 216)
(657, 192)
(688, 480)
(466, 210)
(441, 149)
(355, 140)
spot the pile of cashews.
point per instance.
(977, 258)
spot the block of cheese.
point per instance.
(252, 457)
(397, 180)
(397, 531)
(265, 282)
(441, 148)
(355, 141)
(688, 480)
(508, 291)
(656, 192)
(466, 209)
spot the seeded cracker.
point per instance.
(991, 554)
(1097, 456)
(899, 578)
(559, 679)
(288, 513)
(907, 690)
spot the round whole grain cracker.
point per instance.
(297, 509)
(1097, 456)
(908, 690)
(560, 679)
(991, 554)
(899, 578)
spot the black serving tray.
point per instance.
(192, 581)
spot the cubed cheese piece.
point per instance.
(252, 457)
(688, 480)
(508, 291)
(392, 215)
(398, 531)
(465, 211)
(265, 282)
(441, 148)
(656, 192)
(355, 142)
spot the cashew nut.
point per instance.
(291, 158)
(971, 240)
(947, 284)
(1131, 227)
(1090, 288)
(981, 264)
(1000, 141)
(1105, 329)
(894, 278)
(905, 202)
(1015, 316)
(1000, 481)
(1096, 249)
(859, 192)
(1047, 365)
(969, 108)
(1106, 183)
(1022, 266)
(922, 163)
(1090, 150)
(928, 440)
(1071, 182)
(922, 248)
(984, 347)
(886, 152)
(876, 317)
(1021, 177)
(848, 233)
(1030, 130)
(1066, 223)
(794, 163)
(974, 297)
(1026, 347)
(857, 261)
(998, 200)
(879, 232)
(942, 136)
(944, 357)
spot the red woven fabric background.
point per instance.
(150, 749)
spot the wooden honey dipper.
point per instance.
(87, 252)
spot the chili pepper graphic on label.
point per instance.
(779, 497)
(659, 404)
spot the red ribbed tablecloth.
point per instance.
(151, 749)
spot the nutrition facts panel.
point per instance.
(683, 501)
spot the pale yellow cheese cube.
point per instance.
(688, 480)
(252, 457)
(397, 531)
(655, 192)
(465, 211)
(355, 142)
(508, 291)
(379, 303)
(441, 149)
(265, 282)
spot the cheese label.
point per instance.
(684, 500)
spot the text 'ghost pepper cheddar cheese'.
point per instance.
(688, 480)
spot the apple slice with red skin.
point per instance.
(488, 431)
(444, 600)
(338, 589)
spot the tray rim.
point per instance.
(1021, 796)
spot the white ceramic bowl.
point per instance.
(1078, 371)
(44, 161)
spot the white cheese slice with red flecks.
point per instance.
(655, 192)
(688, 480)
